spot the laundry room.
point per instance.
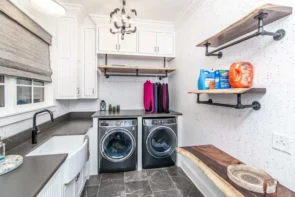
(137, 98)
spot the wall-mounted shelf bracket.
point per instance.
(255, 105)
(136, 75)
(278, 35)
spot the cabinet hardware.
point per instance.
(93, 91)
(77, 177)
(78, 91)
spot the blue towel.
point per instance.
(155, 98)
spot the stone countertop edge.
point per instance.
(12, 184)
(132, 114)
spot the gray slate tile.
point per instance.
(112, 176)
(186, 187)
(170, 193)
(135, 176)
(175, 171)
(160, 180)
(138, 189)
(111, 188)
(92, 191)
(93, 181)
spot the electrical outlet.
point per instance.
(282, 143)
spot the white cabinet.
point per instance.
(89, 68)
(108, 42)
(68, 61)
(165, 43)
(54, 186)
(156, 43)
(147, 42)
(75, 187)
(129, 44)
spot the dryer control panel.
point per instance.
(162, 121)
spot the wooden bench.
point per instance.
(213, 162)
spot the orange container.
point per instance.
(241, 75)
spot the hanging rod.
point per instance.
(136, 75)
(255, 105)
(278, 35)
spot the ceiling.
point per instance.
(161, 10)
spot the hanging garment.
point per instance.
(155, 98)
(148, 97)
(164, 97)
(167, 99)
(160, 99)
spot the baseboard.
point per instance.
(198, 178)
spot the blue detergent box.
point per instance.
(221, 80)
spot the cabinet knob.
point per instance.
(78, 90)
(93, 90)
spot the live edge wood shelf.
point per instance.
(135, 71)
(256, 20)
(238, 91)
(214, 162)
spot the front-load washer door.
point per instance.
(161, 142)
(117, 145)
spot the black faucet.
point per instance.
(35, 128)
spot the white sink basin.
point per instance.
(74, 146)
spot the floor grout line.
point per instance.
(174, 183)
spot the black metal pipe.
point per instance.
(106, 59)
(119, 75)
(212, 53)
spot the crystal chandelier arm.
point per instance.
(134, 11)
(131, 31)
(117, 26)
(114, 32)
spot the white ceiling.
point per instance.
(161, 10)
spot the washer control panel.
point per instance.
(117, 123)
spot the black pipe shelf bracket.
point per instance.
(255, 105)
(107, 75)
(278, 35)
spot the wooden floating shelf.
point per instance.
(214, 162)
(231, 91)
(238, 91)
(256, 20)
(135, 71)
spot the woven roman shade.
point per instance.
(24, 45)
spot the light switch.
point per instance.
(282, 142)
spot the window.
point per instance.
(29, 91)
(2, 91)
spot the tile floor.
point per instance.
(162, 182)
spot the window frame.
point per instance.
(32, 86)
(5, 92)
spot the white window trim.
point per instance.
(12, 112)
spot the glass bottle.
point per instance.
(2, 151)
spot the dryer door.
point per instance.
(161, 142)
(117, 145)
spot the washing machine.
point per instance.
(159, 142)
(117, 145)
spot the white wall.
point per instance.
(49, 23)
(245, 134)
(124, 91)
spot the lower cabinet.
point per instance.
(75, 187)
(56, 187)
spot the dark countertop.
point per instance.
(132, 114)
(29, 179)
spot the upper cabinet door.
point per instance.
(90, 72)
(107, 41)
(66, 83)
(129, 44)
(147, 42)
(165, 43)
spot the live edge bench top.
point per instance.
(213, 162)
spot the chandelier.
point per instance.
(122, 21)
